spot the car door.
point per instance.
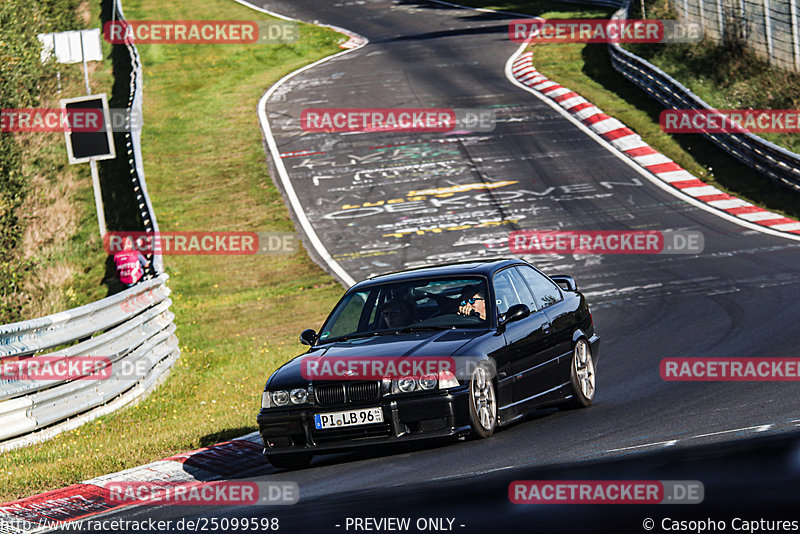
(550, 300)
(527, 340)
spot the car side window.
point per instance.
(510, 289)
(546, 292)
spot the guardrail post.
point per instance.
(744, 19)
(702, 14)
(768, 31)
(795, 35)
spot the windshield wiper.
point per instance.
(406, 330)
(410, 329)
(359, 336)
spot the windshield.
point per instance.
(407, 306)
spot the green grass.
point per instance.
(586, 69)
(238, 317)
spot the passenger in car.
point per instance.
(395, 313)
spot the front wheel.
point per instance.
(297, 460)
(482, 403)
(582, 376)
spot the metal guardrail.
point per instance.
(132, 330)
(774, 162)
(133, 140)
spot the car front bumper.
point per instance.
(430, 415)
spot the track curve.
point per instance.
(740, 297)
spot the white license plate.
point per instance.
(367, 416)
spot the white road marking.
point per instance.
(291, 194)
(668, 443)
(758, 428)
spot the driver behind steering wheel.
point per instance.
(472, 302)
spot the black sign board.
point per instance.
(90, 134)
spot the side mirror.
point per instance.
(514, 313)
(566, 282)
(308, 337)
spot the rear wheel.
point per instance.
(296, 460)
(482, 403)
(582, 376)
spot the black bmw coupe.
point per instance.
(437, 351)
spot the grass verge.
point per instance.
(238, 317)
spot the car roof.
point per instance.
(465, 268)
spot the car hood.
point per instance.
(418, 344)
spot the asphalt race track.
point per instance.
(740, 297)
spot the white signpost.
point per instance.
(80, 47)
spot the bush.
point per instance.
(23, 81)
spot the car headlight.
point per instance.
(404, 385)
(299, 396)
(407, 384)
(428, 382)
(280, 398)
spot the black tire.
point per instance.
(482, 403)
(582, 380)
(295, 460)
